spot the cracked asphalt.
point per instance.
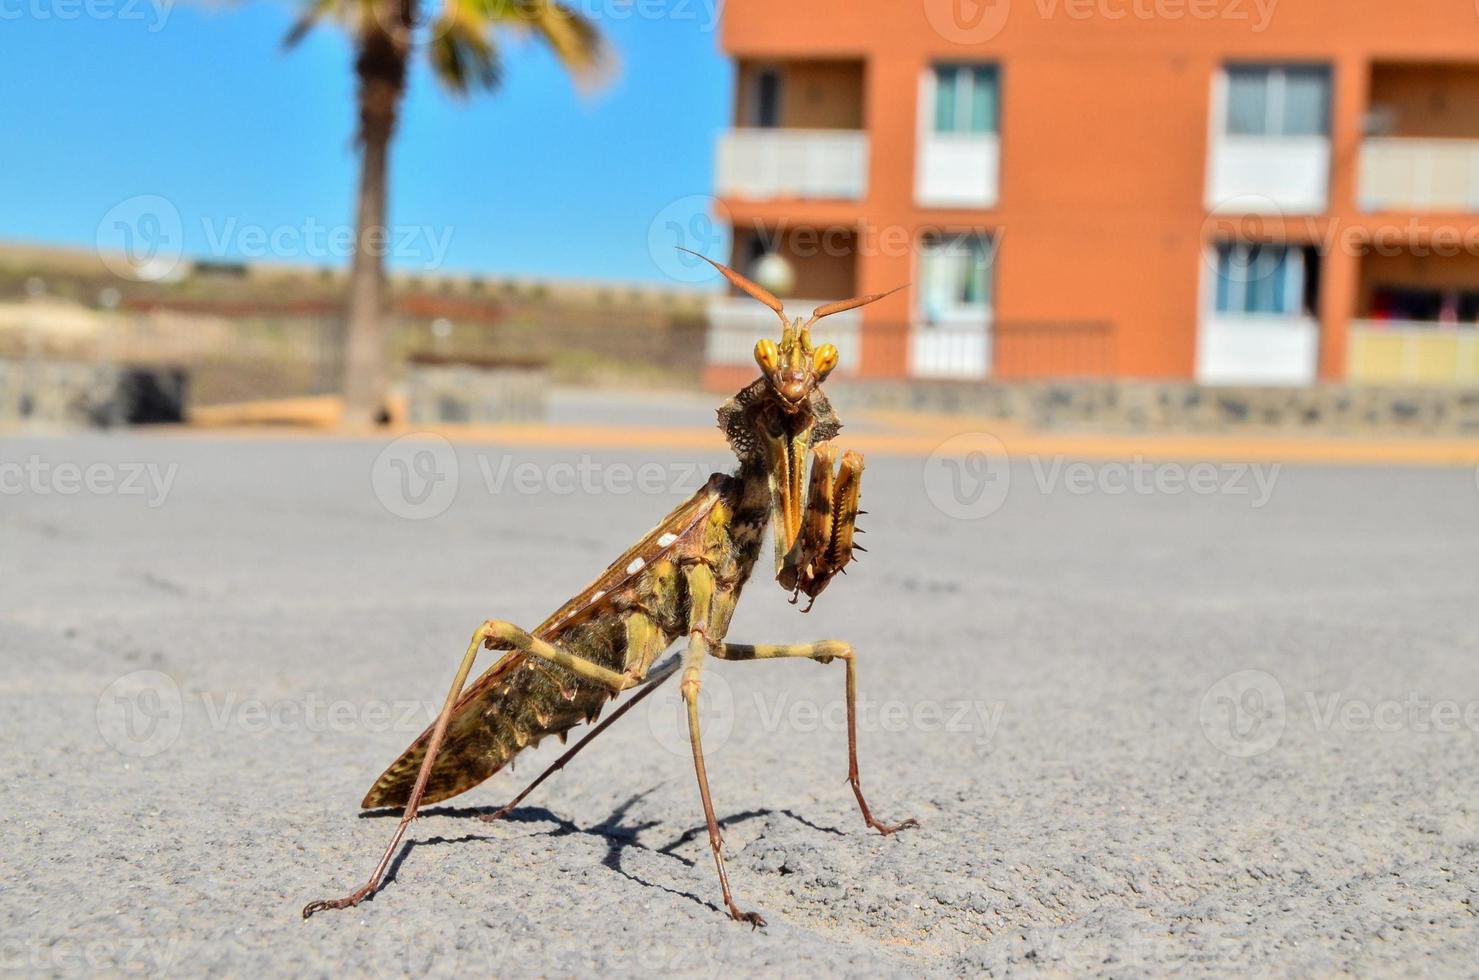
(1154, 731)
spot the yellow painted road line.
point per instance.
(974, 436)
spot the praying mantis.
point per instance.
(681, 581)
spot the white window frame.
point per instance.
(955, 310)
(1275, 101)
(962, 107)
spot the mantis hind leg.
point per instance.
(825, 652)
(493, 634)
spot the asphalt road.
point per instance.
(1154, 721)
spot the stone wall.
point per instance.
(1172, 406)
(475, 393)
(45, 393)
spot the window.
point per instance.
(766, 111)
(1278, 101)
(1273, 280)
(954, 275)
(965, 99)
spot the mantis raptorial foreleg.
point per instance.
(824, 652)
(495, 634)
(824, 545)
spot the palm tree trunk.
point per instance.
(381, 67)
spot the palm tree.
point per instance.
(461, 43)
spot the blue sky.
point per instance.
(252, 147)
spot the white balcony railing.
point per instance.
(760, 164)
(957, 170)
(957, 345)
(1398, 352)
(1269, 175)
(735, 323)
(1419, 175)
(1255, 349)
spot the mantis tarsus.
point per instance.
(680, 581)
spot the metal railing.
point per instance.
(1419, 175)
(1407, 352)
(807, 163)
(950, 350)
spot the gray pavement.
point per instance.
(1148, 731)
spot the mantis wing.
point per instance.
(508, 708)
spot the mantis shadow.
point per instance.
(614, 830)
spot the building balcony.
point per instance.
(767, 164)
(1269, 174)
(954, 346)
(1412, 352)
(957, 170)
(1258, 349)
(1420, 175)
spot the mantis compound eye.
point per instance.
(767, 356)
(825, 360)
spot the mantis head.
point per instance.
(774, 421)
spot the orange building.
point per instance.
(1232, 191)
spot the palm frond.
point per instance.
(316, 11)
(463, 51)
(570, 35)
(573, 38)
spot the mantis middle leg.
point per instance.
(824, 652)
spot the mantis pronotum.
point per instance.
(680, 581)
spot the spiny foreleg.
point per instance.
(824, 546)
